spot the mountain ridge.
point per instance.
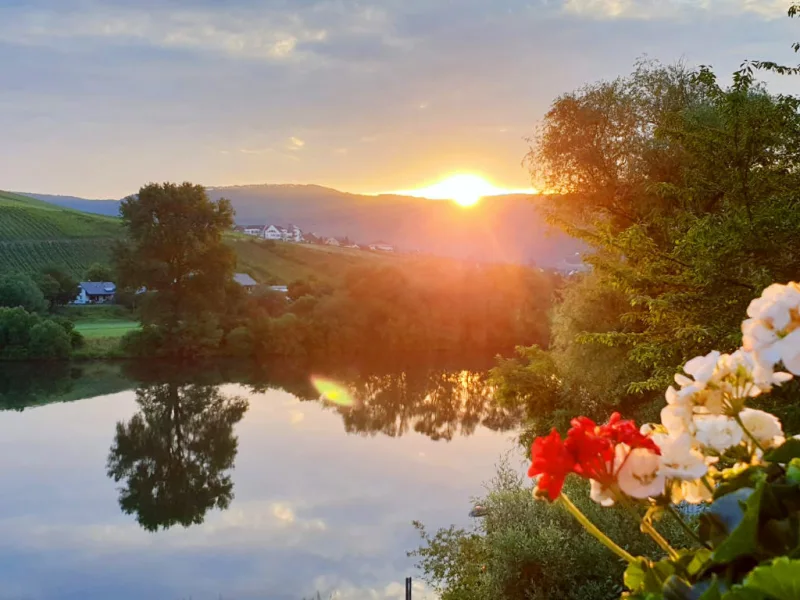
(505, 228)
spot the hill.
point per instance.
(108, 208)
(35, 234)
(277, 263)
(499, 228)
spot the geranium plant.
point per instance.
(710, 448)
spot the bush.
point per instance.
(48, 340)
(21, 291)
(525, 549)
(29, 336)
(239, 342)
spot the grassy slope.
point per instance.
(281, 263)
(35, 234)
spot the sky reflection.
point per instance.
(313, 508)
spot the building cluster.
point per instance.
(293, 233)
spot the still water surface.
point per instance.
(101, 468)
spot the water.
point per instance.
(232, 490)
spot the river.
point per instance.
(144, 481)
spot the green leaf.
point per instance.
(643, 576)
(744, 538)
(793, 471)
(779, 580)
(784, 453)
(723, 516)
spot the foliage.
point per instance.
(174, 454)
(58, 287)
(27, 336)
(685, 193)
(427, 309)
(21, 291)
(527, 549)
(99, 272)
(709, 447)
(174, 250)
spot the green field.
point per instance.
(35, 234)
(105, 328)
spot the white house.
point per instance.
(272, 232)
(382, 247)
(296, 234)
(256, 230)
(95, 292)
(332, 241)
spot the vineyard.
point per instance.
(35, 234)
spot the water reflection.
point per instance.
(175, 455)
(439, 401)
(323, 494)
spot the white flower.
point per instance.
(679, 460)
(763, 426)
(702, 367)
(639, 475)
(717, 432)
(603, 497)
(773, 330)
(677, 419)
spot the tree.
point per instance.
(175, 453)
(58, 287)
(685, 193)
(99, 272)
(21, 291)
(174, 249)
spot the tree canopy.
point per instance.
(174, 250)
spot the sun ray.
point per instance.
(464, 189)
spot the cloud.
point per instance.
(667, 9)
(295, 143)
(266, 35)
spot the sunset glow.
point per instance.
(462, 188)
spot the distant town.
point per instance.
(292, 233)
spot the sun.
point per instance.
(462, 188)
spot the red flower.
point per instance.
(588, 450)
(593, 452)
(552, 462)
(626, 432)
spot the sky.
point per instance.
(98, 97)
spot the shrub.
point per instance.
(48, 340)
(525, 549)
(21, 291)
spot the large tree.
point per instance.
(685, 193)
(175, 252)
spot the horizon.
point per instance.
(102, 97)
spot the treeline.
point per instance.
(191, 307)
(420, 308)
(28, 330)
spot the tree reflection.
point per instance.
(437, 403)
(174, 454)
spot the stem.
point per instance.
(738, 420)
(709, 487)
(591, 528)
(648, 528)
(685, 526)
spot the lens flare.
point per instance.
(332, 391)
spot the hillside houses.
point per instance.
(292, 233)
